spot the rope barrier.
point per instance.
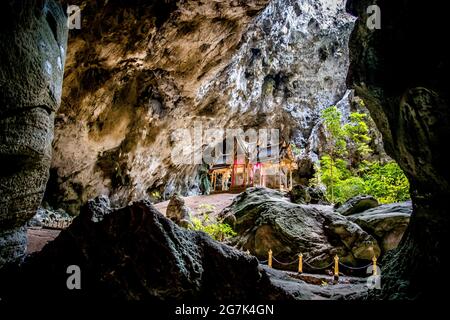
(285, 263)
(318, 268)
(355, 268)
(263, 262)
(336, 263)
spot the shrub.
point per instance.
(386, 182)
(345, 189)
(217, 230)
(206, 209)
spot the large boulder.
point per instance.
(357, 204)
(265, 220)
(136, 253)
(178, 212)
(387, 223)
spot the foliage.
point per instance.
(217, 230)
(206, 208)
(357, 131)
(156, 195)
(350, 187)
(332, 119)
(345, 184)
(296, 150)
(330, 172)
(386, 182)
(344, 180)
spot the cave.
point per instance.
(104, 132)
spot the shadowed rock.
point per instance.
(387, 223)
(402, 73)
(305, 195)
(357, 204)
(135, 253)
(178, 212)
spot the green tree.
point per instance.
(386, 182)
(338, 146)
(357, 131)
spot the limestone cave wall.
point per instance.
(138, 71)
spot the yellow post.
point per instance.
(336, 267)
(374, 271)
(269, 261)
(300, 263)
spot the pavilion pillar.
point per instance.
(279, 176)
(263, 178)
(233, 175)
(290, 179)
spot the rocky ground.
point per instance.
(313, 229)
(38, 237)
(112, 247)
(266, 219)
(385, 223)
(218, 201)
(140, 68)
(315, 287)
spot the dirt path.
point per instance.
(219, 201)
(38, 238)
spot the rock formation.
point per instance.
(178, 212)
(401, 71)
(33, 36)
(357, 204)
(47, 217)
(304, 195)
(387, 223)
(135, 253)
(267, 220)
(144, 66)
(154, 67)
(300, 194)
